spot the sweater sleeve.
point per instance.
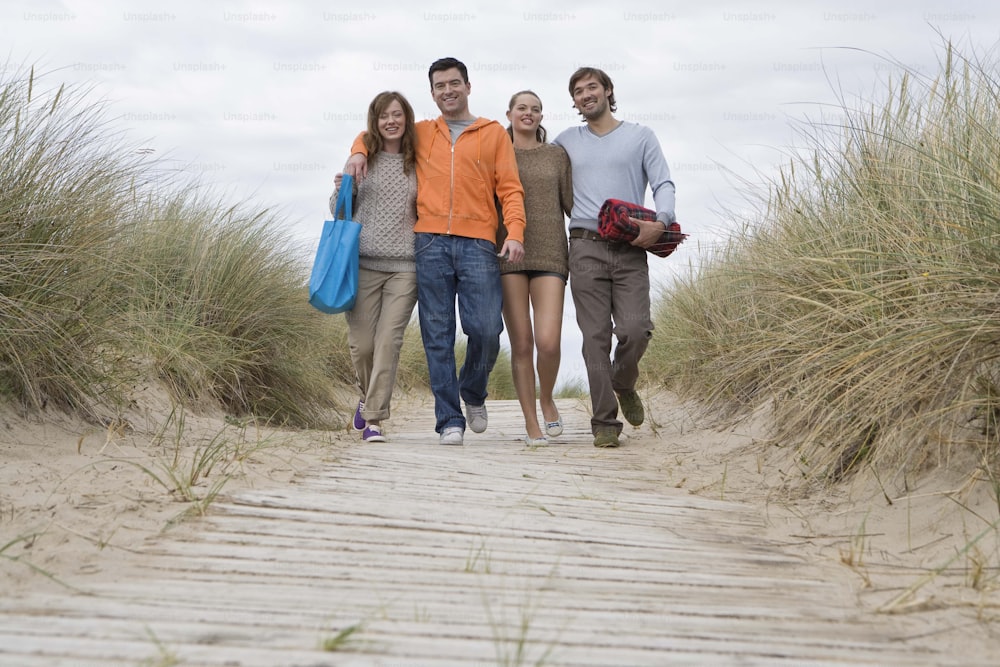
(565, 184)
(658, 173)
(508, 188)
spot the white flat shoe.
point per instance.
(536, 442)
(553, 429)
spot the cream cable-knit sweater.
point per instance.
(386, 208)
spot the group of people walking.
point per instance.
(461, 210)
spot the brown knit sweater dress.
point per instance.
(548, 198)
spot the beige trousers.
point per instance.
(375, 328)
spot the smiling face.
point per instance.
(525, 113)
(451, 93)
(392, 123)
(590, 98)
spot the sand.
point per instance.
(77, 498)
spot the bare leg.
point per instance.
(517, 316)
(547, 296)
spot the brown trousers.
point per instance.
(610, 287)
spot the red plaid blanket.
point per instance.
(614, 225)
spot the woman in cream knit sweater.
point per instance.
(387, 283)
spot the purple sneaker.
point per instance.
(359, 421)
(373, 433)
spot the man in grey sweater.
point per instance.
(612, 159)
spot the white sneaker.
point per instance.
(453, 435)
(477, 417)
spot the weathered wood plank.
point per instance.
(456, 556)
(667, 634)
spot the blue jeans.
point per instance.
(466, 268)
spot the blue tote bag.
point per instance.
(333, 285)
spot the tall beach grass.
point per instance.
(862, 305)
(115, 274)
(66, 190)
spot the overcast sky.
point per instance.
(263, 98)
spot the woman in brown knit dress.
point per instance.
(534, 288)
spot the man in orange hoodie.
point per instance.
(465, 164)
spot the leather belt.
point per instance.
(587, 235)
(580, 233)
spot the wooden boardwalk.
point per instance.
(489, 554)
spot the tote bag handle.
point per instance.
(345, 199)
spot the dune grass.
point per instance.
(65, 190)
(218, 310)
(116, 274)
(863, 302)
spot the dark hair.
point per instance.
(601, 76)
(442, 64)
(540, 133)
(373, 138)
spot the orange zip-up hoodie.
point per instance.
(456, 184)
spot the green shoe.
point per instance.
(632, 407)
(606, 438)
